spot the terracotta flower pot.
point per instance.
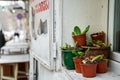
(98, 51)
(88, 70)
(80, 39)
(98, 36)
(77, 62)
(102, 67)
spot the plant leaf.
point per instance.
(62, 47)
(88, 49)
(75, 44)
(74, 52)
(77, 30)
(99, 42)
(106, 60)
(80, 53)
(73, 33)
(96, 57)
(86, 29)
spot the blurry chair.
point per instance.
(15, 72)
(9, 77)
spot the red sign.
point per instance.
(42, 6)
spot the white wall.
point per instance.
(83, 13)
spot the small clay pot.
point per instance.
(89, 70)
(98, 36)
(77, 62)
(80, 39)
(102, 67)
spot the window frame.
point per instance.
(114, 55)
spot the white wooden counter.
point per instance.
(18, 58)
(19, 46)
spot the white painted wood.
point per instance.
(15, 47)
(41, 61)
(58, 17)
(111, 22)
(31, 70)
(14, 58)
(115, 55)
(42, 44)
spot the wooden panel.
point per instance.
(41, 29)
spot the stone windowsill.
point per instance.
(110, 75)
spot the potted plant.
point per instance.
(98, 36)
(80, 36)
(102, 64)
(97, 48)
(80, 55)
(89, 66)
(68, 55)
(78, 59)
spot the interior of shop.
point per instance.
(14, 40)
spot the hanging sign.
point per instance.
(19, 16)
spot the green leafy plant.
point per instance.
(79, 54)
(77, 31)
(75, 45)
(96, 58)
(86, 52)
(99, 43)
(89, 42)
(65, 47)
(101, 58)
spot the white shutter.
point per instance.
(43, 46)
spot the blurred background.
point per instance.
(14, 18)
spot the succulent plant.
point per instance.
(77, 30)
